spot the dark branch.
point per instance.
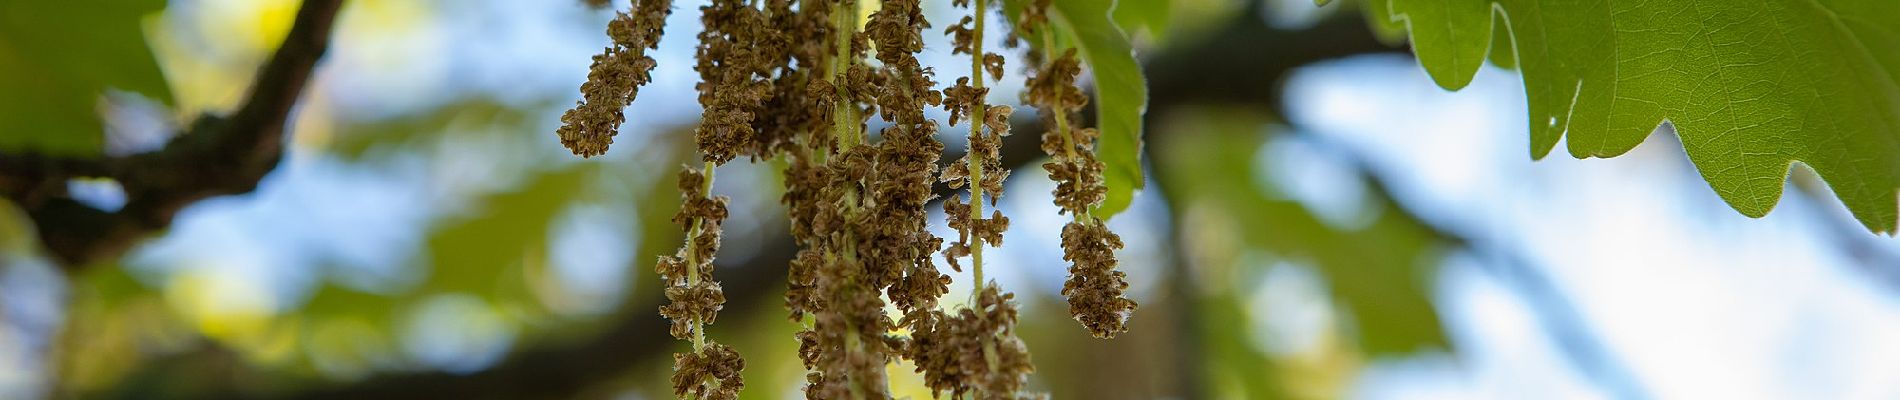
(215, 157)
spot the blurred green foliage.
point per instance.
(57, 60)
(1379, 275)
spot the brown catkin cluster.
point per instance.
(847, 345)
(975, 351)
(793, 79)
(615, 78)
(717, 363)
(1095, 288)
(844, 344)
(900, 243)
(974, 231)
(984, 160)
(858, 207)
(739, 51)
(694, 298)
(801, 99)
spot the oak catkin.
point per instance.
(615, 78)
(797, 80)
(1095, 289)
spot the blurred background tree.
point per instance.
(395, 220)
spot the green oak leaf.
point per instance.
(58, 57)
(1750, 87)
(1121, 92)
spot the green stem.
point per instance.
(844, 24)
(845, 122)
(692, 257)
(975, 160)
(976, 175)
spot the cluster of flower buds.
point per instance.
(715, 363)
(791, 80)
(1096, 290)
(615, 78)
(982, 170)
(857, 207)
(899, 245)
(801, 99)
(694, 298)
(739, 52)
(848, 344)
(711, 371)
(974, 350)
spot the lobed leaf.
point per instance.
(1750, 87)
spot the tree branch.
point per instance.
(216, 157)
